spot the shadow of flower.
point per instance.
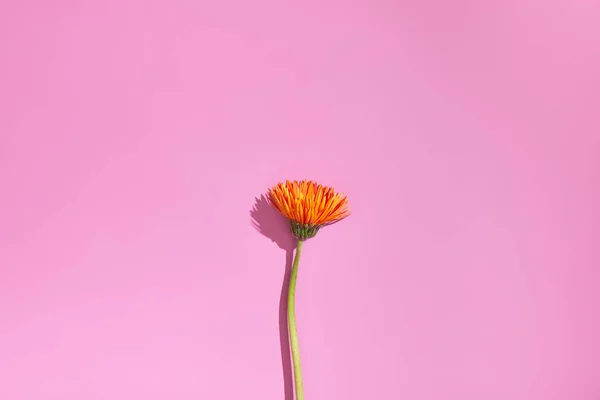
(274, 226)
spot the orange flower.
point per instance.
(308, 206)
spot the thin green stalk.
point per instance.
(292, 324)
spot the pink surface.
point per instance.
(135, 136)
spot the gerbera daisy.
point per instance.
(308, 206)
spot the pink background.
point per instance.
(135, 136)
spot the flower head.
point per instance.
(308, 206)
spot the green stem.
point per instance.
(292, 324)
